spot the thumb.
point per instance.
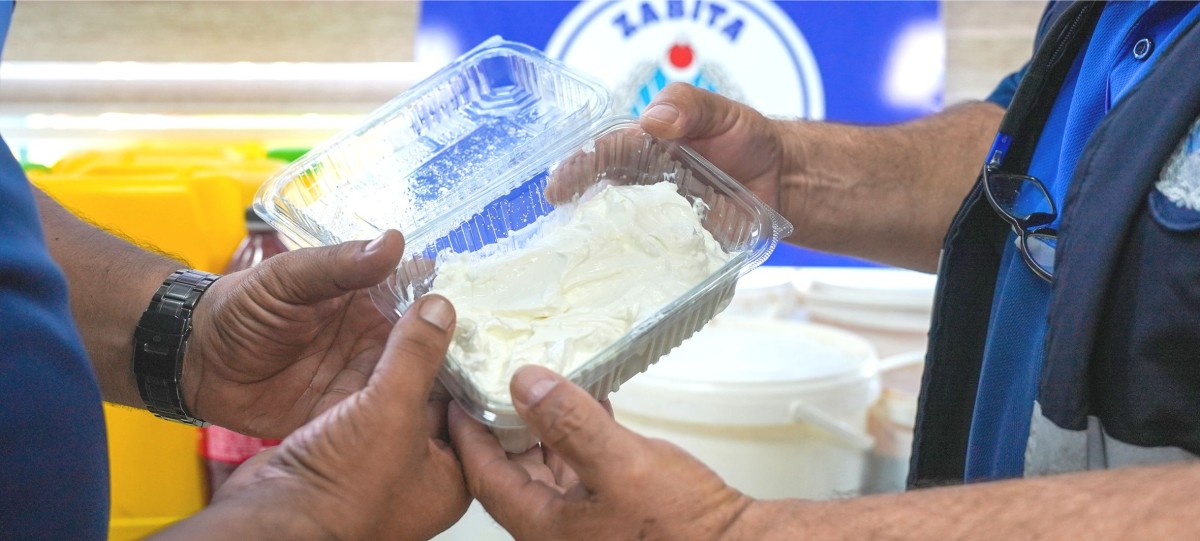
(576, 427)
(315, 274)
(415, 351)
(682, 111)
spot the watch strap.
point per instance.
(160, 341)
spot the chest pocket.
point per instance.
(1146, 368)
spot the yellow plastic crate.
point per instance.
(248, 164)
(157, 475)
(171, 153)
(200, 220)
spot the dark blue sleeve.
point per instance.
(53, 454)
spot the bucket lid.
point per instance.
(742, 371)
(897, 288)
(894, 300)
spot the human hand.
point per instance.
(364, 466)
(733, 136)
(269, 344)
(591, 478)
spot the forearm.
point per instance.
(1134, 503)
(883, 193)
(111, 282)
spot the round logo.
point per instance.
(747, 50)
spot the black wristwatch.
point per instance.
(160, 341)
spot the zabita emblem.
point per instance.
(1180, 180)
(748, 50)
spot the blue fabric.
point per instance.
(53, 456)
(1012, 362)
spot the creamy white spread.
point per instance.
(559, 291)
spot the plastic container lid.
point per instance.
(462, 160)
(752, 372)
(447, 146)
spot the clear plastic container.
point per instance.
(486, 147)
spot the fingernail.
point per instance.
(662, 112)
(537, 384)
(375, 244)
(437, 311)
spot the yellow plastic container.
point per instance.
(248, 164)
(157, 475)
(199, 220)
(173, 154)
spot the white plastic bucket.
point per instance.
(777, 408)
(891, 308)
(891, 422)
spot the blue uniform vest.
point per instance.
(1123, 338)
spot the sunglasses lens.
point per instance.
(1019, 196)
(1040, 247)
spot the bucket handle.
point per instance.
(845, 433)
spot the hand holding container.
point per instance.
(483, 148)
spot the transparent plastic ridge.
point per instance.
(443, 147)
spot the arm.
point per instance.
(883, 193)
(110, 284)
(1144, 502)
(615, 484)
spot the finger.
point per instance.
(315, 274)
(575, 426)
(564, 474)
(682, 111)
(505, 489)
(414, 352)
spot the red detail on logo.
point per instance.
(680, 55)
